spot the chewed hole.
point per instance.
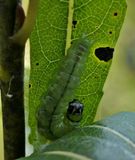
(115, 14)
(104, 54)
(37, 64)
(29, 85)
(110, 32)
(74, 23)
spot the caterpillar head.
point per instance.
(75, 110)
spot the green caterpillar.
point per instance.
(54, 117)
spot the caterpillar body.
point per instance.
(52, 118)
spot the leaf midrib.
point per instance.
(69, 25)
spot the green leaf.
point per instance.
(56, 26)
(111, 138)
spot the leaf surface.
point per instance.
(58, 23)
(111, 138)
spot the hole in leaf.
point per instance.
(115, 14)
(29, 85)
(104, 54)
(74, 23)
(110, 32)
(37, 64)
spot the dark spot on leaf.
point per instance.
(104, 54)
(115, 14)
(29, 85)
(110, 32)
(37, 64)
(74, 23)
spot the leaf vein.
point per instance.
(127, 140)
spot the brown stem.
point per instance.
(22, 35)
(11, 83)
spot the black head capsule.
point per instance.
(75, 110)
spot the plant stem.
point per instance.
(11, 83)
(22, 35)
